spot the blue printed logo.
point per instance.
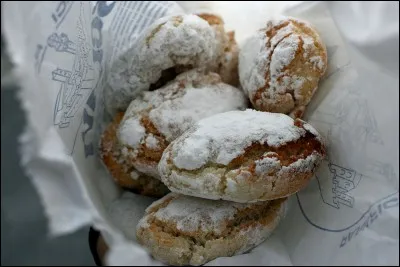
(343, 182)
(335, 200)
(75, 83)
(61, 43)
(81, 71)
(61, 11)
(101, 10)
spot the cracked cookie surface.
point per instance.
(168, 47)
(242, 156)
(281, 65)
(156, 118)
(183, 230)
(228, 58)
(123, 173)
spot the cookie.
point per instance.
(183, 230)
(123, 173)
(281, 65)
(242, 156)
(229, 51)
(156, 118)
(171, 45)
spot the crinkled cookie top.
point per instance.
(175, 41)
(223, 137)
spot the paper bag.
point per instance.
(348, 214)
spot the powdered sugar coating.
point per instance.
(116, 159)
(242, 156)
(184, 40)
(280, 66)
(223, 137)
(228, 58)
(199, 101)
(318, 62)
(312, 130)
(267, 164)
(182, 230)
(149, 169)
(173, 109)
(284, 54)
(302, 165)
(252, 63)
(191, 214)
(131, 133)
(151, 141)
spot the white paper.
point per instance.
(349, 212)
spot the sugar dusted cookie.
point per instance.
(183, 230)
(228, 58)
(281, 65)
(123, 173)
(168, 47)
(242, 156)
(156, 118)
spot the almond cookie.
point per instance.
(156, 118)
(242, 156)
(122, 171)
(280, 66)
(229, 51)
(183, 230)
(168, 47)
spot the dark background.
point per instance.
(24, 239)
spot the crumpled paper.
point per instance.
(349, 212)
